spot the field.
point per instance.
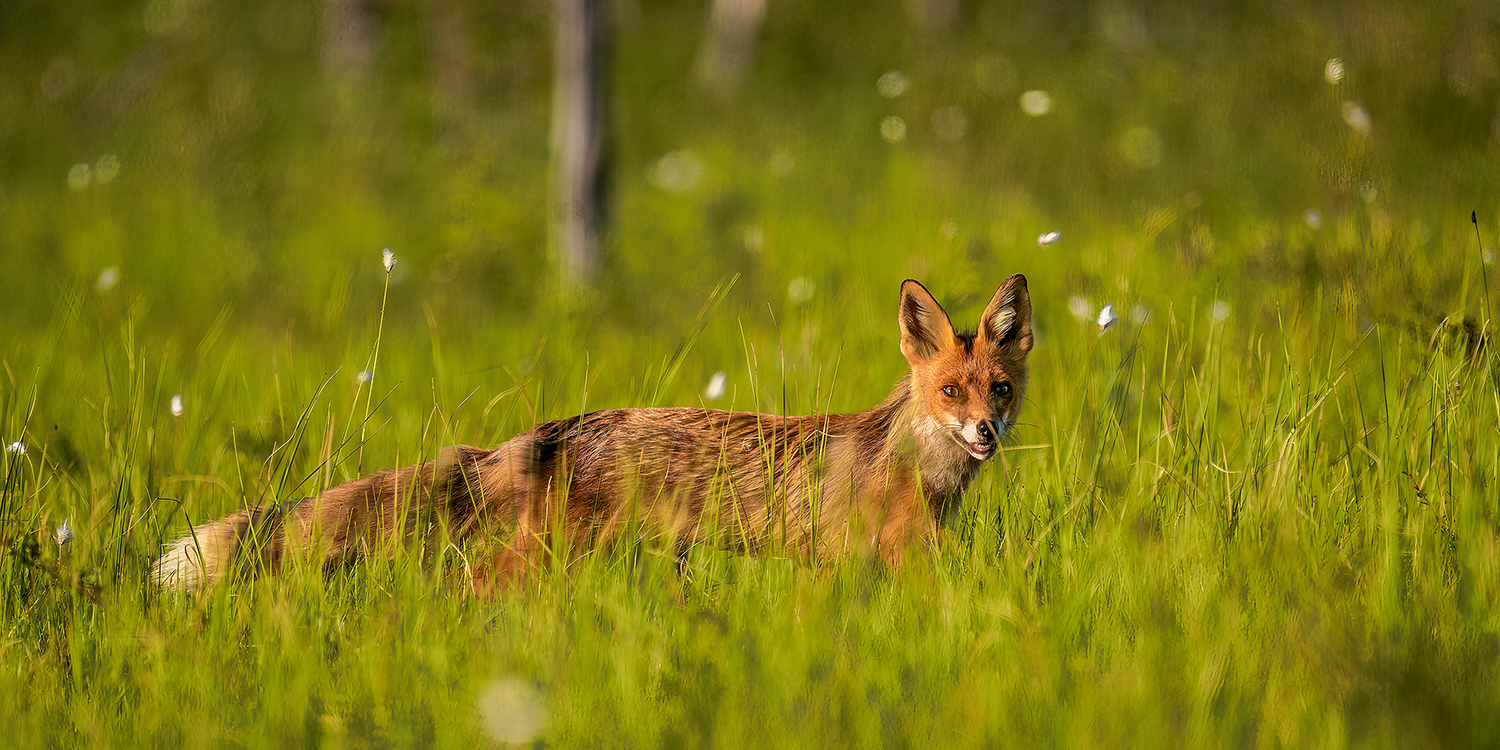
(1262, 508)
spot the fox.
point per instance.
(879, 480)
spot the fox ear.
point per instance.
(1007, 318)
(925, 328)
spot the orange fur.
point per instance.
(877, 480)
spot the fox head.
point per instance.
(969, 384)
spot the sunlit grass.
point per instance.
(1211, 529)
(1259, 507)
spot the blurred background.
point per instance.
(202, 167)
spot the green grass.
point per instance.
(1265, 514)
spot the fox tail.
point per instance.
(347, 520)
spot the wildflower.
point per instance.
(177, 405)
(1107, 318)
(388, 259)
(717, 385)
(1048, 238)
(64, 533)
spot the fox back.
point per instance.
(877, 480)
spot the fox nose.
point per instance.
(985, 433)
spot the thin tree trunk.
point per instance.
(578, 127)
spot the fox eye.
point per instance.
(1001, 390)
(951, 391)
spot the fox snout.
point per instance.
(981, 437)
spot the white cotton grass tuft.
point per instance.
(17, 447)
(1080, 307)
(1312, 218)
(1333, 71)
(755, 238)
(80, 175)
(108, 278)
(364, 376)
(1036, 103)
(950, 123)
(1357, 116)
(676, 171)
(106, 169)
(177, 405)
(64, 534)
(801, 289)
(1107, 318)
(387, 259)
(893, 129)
(1048, 238)
(718, 385)
(1219, 311)
(892, 84)
(512, 710)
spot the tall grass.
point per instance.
(1259, 510)
(1219, 524)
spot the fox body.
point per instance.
(876, 480)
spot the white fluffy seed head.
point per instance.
(717, 386)
(1107, 318)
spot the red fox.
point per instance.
(877, 480)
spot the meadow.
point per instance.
(1260, 508)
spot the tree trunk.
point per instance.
(578, 126)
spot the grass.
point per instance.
(1260, 510)
(1212, 531)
